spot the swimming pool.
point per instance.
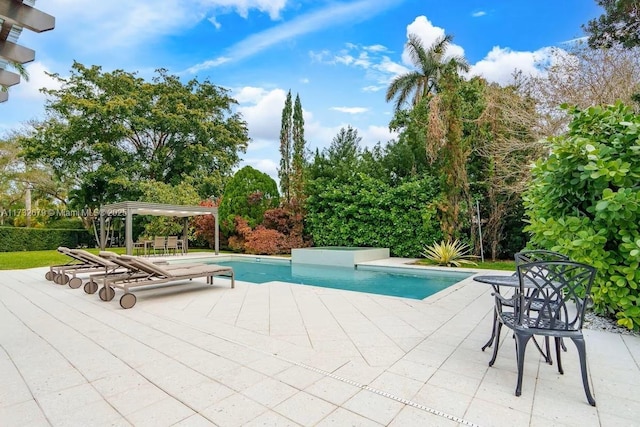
(395, 282)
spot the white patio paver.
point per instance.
(280, 354)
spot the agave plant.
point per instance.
(449, 253)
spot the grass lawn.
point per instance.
(32, 259)
(506, 265)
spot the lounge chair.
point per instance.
(145, 273)
(82, 262)
(126, 271)
(53, 270)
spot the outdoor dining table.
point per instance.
(144, 245)
(508, 281)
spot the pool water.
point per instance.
(418, 285)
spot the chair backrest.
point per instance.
(146, 266)
(539, 255)
(172, 242)
(159, 242)
(562, 289)
(90, 258)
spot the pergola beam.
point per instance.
(7, 78)
(27, 16)
(16, 53)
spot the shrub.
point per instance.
(263, 241)
(248, 194)
(449, 253)
(364, 211)
(39, 239)
(584, 202)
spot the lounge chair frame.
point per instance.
(82, 262)
(143, 273)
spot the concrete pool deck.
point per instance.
(288, 355)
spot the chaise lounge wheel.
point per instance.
(106, 294)
(127, 300)
(75, 283)
(90, 287)
(48, 275)
(61, 279)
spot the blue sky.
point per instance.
(338, 55)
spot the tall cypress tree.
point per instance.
(284, 172)
(298, 157)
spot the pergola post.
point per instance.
(185, 235)
(216, 233)
(128, 232)
(103, 237)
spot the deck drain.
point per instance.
(381, 393)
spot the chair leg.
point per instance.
(559, 345)
(496, 343)
(493, 331)
(521, 346)
(582, 353)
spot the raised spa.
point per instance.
(340, 256)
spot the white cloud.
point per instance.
(333, 15)
(242, 7)
(263, 113)
(376, 48)
(344, 59)
(215, 22)
(388, 66)
(428, 33)
(38, 79)
(478, 13)
(108, 25)
(351, 110)
(500, 63)
(373, 88)
(321, 57)
(267, 166)
(374, 134)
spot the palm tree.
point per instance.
(429, 64)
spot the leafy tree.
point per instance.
(184, 193)
(437, 119)
(298, 158)
(430, 63)
(292, 154)
(585, 202)
(582, 77)
(248, 195)
(506, 143)
(286, 132)
(340, 160)
(619, 24)
(17, 175)
(111, 130)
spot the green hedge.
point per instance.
(364, 211)
(38, 239)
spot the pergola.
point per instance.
(128, 209)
